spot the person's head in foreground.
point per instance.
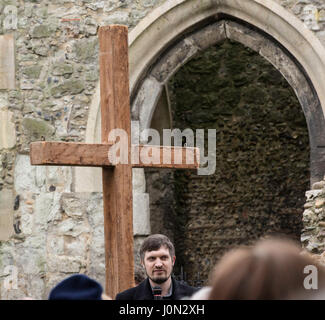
(272, 269)
(78, 287)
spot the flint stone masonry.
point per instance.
(53, 239)
(313, 233)
(311, 12)
(61, 232)
(262, 151)
(40, 179)
(37, 129)
(53, 59)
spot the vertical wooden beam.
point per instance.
(117, 181)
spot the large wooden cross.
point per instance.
(117, 179)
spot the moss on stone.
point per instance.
(72, 86)
(85, 49)
(254, 94)
(41, 31)
(35, 129)
(61, 69)
(32, 72)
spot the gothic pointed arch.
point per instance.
(172, 33)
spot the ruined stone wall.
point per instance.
(47, 230)
(43, 234)
(262, 148)
(311, 12)
(313, 233)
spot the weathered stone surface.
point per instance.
(65, 264)
(71, 87)
(7, 197)
(43, 209)
(76, 247)
(7, 62)
(55, 244)
(58, 179)
(318, 185)
(70, 227)
(313, 235)
(72, 206)
(25, 175)
(61, 69)
(138, 180)
(174, 59)
(86, 49)
(141, 214)
(245, 36)
(319, 203)
(210, 35)
(3, 100)
(145, 101)
(7, 130)
(117, 17)
(37, 178)
(41, 31)
(32, 72)
(50, 49)
(37, 129)
(311, 194)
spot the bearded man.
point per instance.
(157, 255)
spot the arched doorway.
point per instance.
(173, 33)
(262, 158)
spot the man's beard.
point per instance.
(159, 279)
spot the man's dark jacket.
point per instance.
(143, 291)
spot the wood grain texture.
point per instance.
(96, 155)
(117, 182)
(69, 154)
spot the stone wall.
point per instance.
(56, 72)
(56, 232)
(313, 233)
(47, 231)
(311, 12)
(262, 158)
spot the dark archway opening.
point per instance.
(262, 169)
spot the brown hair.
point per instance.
(273, 269)
(155, 242)
(139, 274)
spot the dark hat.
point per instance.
(77, 287)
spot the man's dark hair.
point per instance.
(155, 242)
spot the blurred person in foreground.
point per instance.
(78, 287)
(273, 269)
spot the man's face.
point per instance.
(158, 264)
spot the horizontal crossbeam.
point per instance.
(96, 155)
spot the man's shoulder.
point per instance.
(127, 294)
(140, 292)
